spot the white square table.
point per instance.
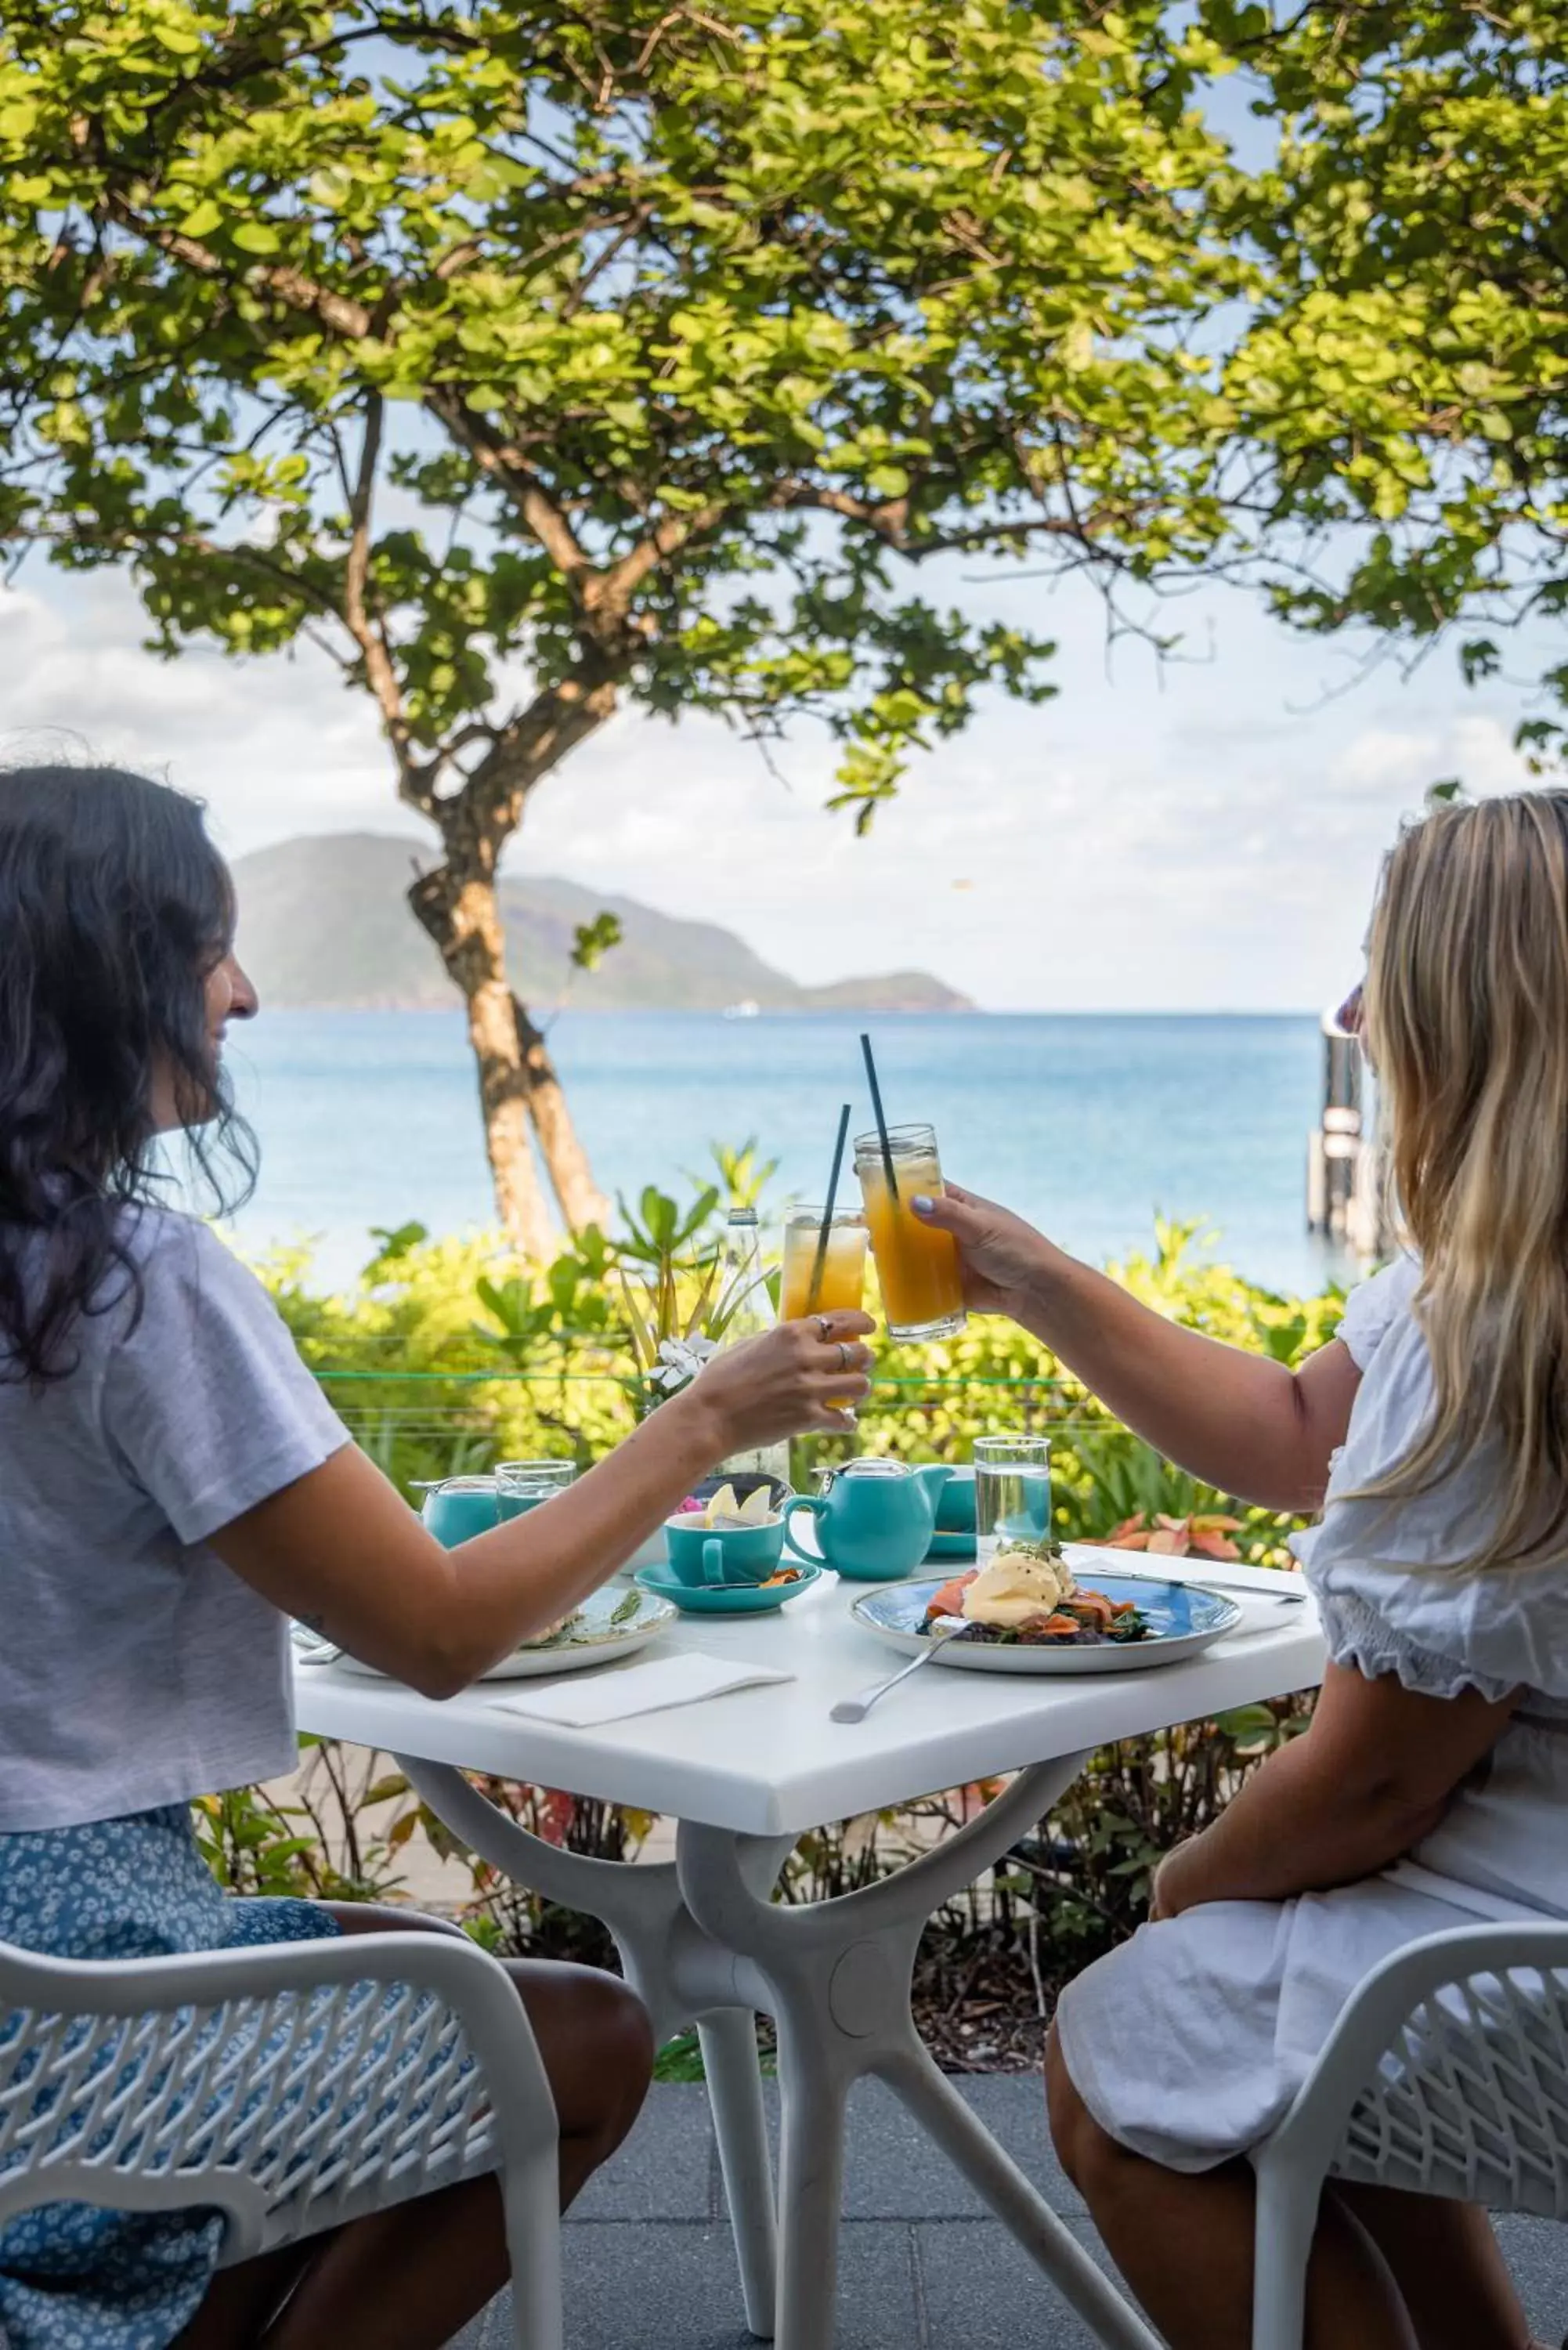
(745, 1774)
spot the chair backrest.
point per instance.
(1447, 2073)
(292, 2087)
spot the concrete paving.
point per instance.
(650, 2264)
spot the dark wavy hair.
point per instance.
(114, 907)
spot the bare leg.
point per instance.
(1184, 2243)
(410, 2278)
(1446, 2263)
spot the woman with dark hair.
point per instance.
(173, 1487)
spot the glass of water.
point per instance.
(521, 1485)
(1011, 1493)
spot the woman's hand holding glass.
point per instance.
(800, 1377)
(1001, 1257)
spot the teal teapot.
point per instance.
(875, 1519)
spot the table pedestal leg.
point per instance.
(729, 2041)
(677, 1971)
(837, 1975)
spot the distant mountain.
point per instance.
(324, 923)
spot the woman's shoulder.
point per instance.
(1379, 1306)
(167, 1250)
(178, 1293)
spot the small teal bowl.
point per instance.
(724, 1598)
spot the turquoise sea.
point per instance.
(1088, 1124)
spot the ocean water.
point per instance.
(1086, 1124)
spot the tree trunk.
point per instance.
(571, 1177)
(459, 911)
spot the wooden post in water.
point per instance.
(1344, 1176)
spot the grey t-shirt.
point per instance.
(135, 1668)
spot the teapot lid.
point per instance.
(868, 1467)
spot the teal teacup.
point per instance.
(704, 1557)
(459, 1508)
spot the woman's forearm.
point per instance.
(1238, 1421)
(340, 1549)
(1374, 1775)
(1294, 1828)
(537, 1567)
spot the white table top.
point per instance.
(768, 1760)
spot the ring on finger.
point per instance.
(845, 1355)
(824, 1328)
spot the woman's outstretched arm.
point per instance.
(340, 1548)
(1241, 1423)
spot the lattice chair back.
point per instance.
(293, 2088)
(1445, 2074)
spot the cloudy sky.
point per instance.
(1203, 836)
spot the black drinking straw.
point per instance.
(881, 1117)
(816, 1290)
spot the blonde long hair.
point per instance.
(1466, 1019)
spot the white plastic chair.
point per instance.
(292, 2087)
(1445, 2074)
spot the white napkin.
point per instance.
(589, 1699)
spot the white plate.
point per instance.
(1188, 1618)
(592, 1638)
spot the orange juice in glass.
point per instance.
(843, 1281)
(922, 1293)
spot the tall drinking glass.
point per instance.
(1011, 1493)
(521, 1485)
(843, 1281)
(922, 1291)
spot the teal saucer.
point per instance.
(733, 1598)
(950, 1547)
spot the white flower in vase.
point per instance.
(680, 1361)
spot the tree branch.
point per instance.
(888, 518)
(482, 815)
(610, 592)
(365, 624)
(510, 470)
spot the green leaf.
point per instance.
(255, 237)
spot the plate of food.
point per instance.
(610, 1624)
(1026, 1611)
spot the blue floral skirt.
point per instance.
(73, 2277)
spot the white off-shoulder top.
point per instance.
(1392, 1602)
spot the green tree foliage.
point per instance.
(534, 358)
(1403, 374)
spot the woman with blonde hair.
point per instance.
(1432, 1786)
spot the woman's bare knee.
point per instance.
(597, 2042)
(1074, 2133)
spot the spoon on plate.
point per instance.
(943, 1629)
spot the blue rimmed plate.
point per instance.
(1185, 1619)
